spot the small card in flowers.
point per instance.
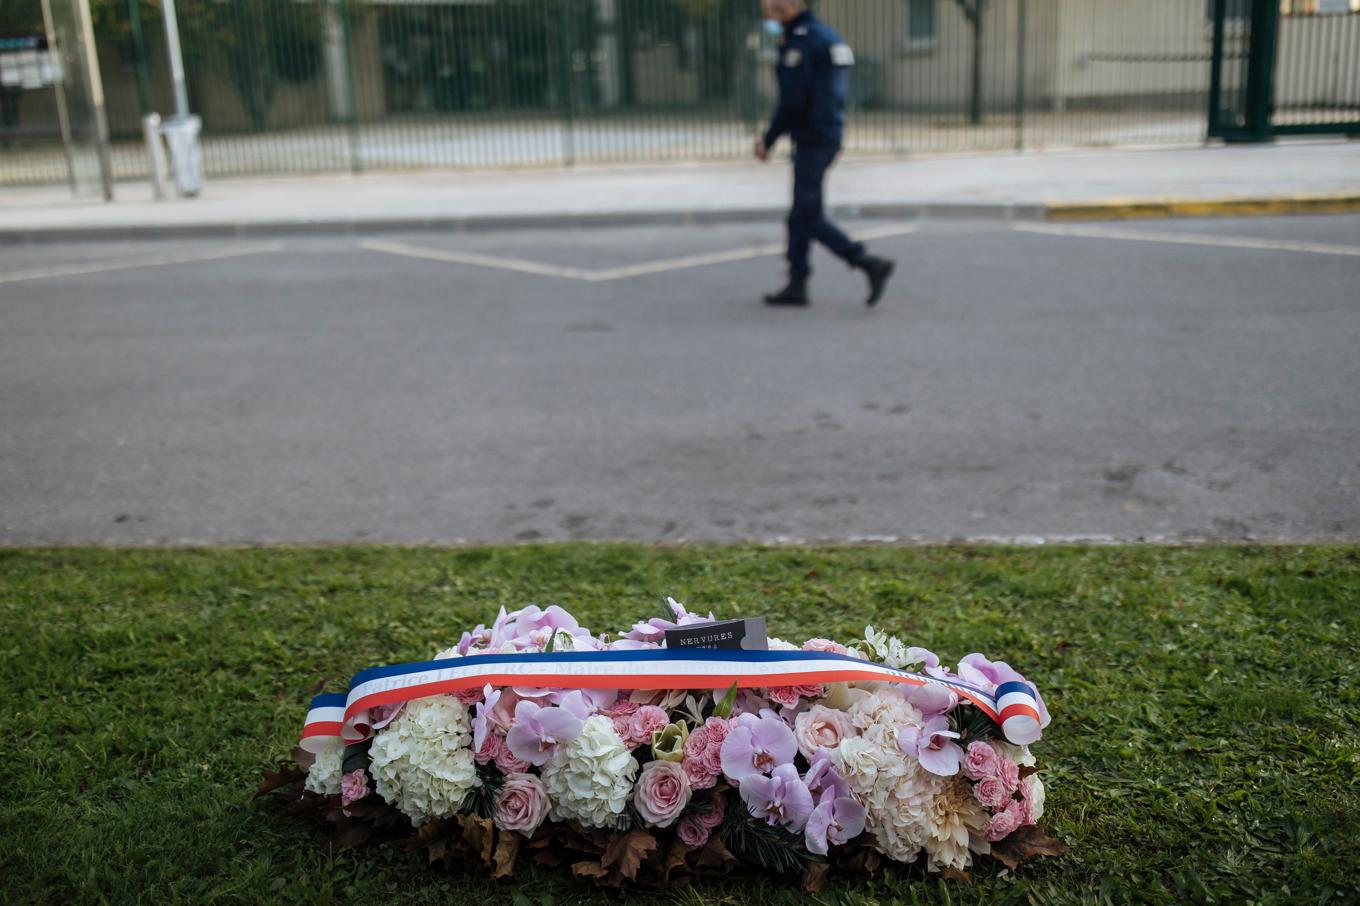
(748, 635)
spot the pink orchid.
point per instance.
(755, 746)
(933, 745)
(781, 799)
(539, 731)
(836, 820)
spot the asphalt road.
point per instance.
(1150, 380)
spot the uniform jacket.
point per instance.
(813, 72)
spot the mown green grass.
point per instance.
(1204, 744)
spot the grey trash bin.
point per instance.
(186, 157)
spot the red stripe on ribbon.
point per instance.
(649, 681)
(322, 728)
(1019, 708)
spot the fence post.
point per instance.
(1020, 77)
(352, 98)
(1265, 18)
(139, 56)
(568, 89)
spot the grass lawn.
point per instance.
(1205, 701)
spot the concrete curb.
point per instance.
(487, 223)
(1114, 209)
(1118, 209)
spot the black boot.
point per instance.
(877, 270)
(793, 294)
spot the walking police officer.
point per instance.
(813, 73)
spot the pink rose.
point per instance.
(509, 762)
(661, 794)
(691, 832)
(786, 696)
(991, 792)
(821, 728)
(714, 816)
(521, 804)
(697, 743)
(825, 645)
(1003, 824)
(469, 696)
(353, 787)
(622, 707)
(980, 762)
(1008, 773)
(717, 728)
(491, 748)
(700, 777)
(623, 726)
(713, 759)
(644, 721)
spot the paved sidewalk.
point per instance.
(999, 186)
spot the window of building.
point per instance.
(921, 23)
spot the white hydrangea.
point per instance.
(955, 825)
(422, 762)
(896, 792)
(324, 774)
(590, 779)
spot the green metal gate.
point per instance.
(1284, 68)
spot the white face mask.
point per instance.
(774, 27)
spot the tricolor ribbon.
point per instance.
(1012, 706)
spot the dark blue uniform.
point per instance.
(813, 73)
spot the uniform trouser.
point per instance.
(807, 218)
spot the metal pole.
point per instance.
(351, 97)
(176, 58)
(96, 81)
(63, 115)
(1020, 79)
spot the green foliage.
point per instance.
(1205, 705)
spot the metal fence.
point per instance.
(353, 85)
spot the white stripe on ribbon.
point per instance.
(589, 670)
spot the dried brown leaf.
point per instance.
(507, 850)
(589, 869)
(954, 874)
(625, 852)
(715, 858)
(426, 834)
(479, 835)
(814, 876)
(302, 758)
(1026, 843)
(548, 857)
(1028, 769)
(286, 775)
(351, 834)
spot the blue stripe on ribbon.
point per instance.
(1013, 686)
(646, 656)
(329, 700)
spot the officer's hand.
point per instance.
(762, 152)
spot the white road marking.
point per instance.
(102, 267)
(519, 265)
(1237, 242)
(602, 275)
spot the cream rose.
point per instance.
(821, 728)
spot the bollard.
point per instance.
(155, 152)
